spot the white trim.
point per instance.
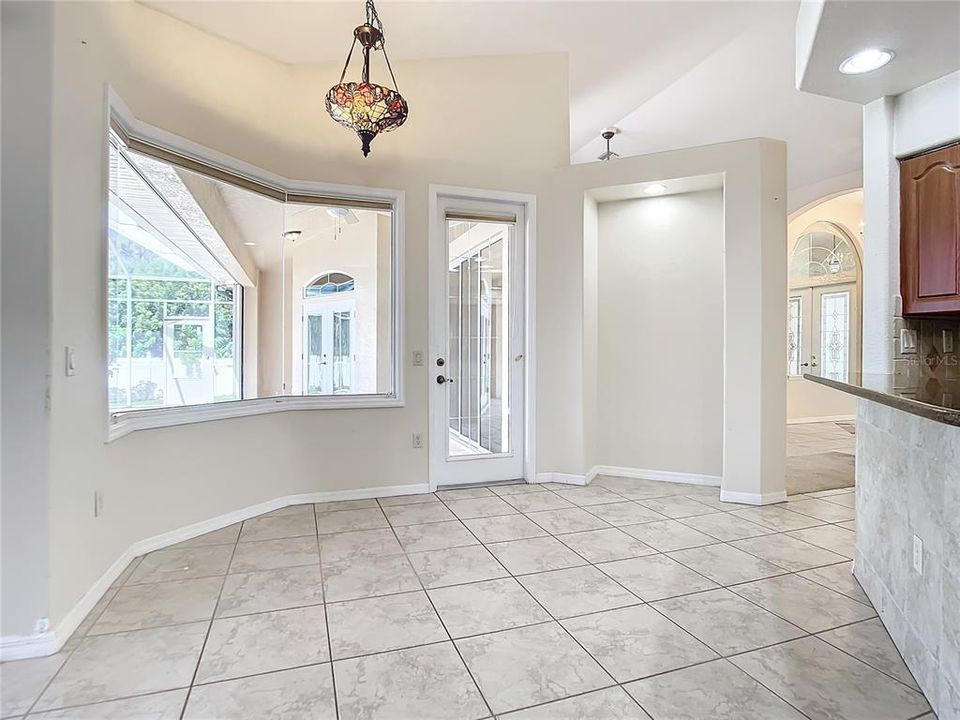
(19, 647)
(529, 203)
(562, 478)
(821, 419)
(120, 423)
(745, 498)
(124, 423)
(659, 475)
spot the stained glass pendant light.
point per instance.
(365, 107)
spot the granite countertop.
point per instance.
(930, 398)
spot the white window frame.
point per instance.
(120, 423)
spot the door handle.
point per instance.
(441, 379)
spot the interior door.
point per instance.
(188, 351)
(478, 333)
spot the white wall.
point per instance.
(805, 399)
(894, 127)
(660, 311)
(25, 186)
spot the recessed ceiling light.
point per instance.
(866, 61)
(655, 189)
(249, 244)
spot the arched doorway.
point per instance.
(825, 329)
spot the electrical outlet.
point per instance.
(948, 341)
(42, 626)
(417, 440)
(97, 503)
(417, 358)
(918, 554)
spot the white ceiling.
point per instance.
(924, 35)
(670, 74)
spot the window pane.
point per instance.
(339, 305)
(835, 335)
(155, 357)
(794, 338)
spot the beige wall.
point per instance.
(805, 399)
(239, 104)
(660, 310)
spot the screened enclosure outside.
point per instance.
(173, 327)
(477, 332)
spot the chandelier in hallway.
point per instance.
(365, 107)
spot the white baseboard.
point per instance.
(753, 498)
(661, 475)
(20, 647)
(563, 478)
(821, 419)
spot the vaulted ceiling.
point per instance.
(669, 74)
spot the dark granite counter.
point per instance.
(930, 398)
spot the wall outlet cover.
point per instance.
(948, 341)
(417, 440)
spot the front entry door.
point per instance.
(827, 320)
(477, 339)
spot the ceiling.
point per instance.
(923, 34)
(669, 74)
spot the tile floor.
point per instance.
(820, 456)
(626, 599)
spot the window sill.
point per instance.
(124, 422)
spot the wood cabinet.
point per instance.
(930, 233)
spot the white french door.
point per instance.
(328, 341)
(477, 340)
(825, 331)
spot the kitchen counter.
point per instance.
(937, 400)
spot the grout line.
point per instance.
(326, 613)
(213, 615)
(423, 589)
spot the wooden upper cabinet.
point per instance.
(930, 233)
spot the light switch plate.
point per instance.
(417, 358)
(908, 341)
(948, 341)
(69, 361)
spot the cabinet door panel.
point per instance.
(930, 232)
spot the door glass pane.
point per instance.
(187, 351)
(477, 353)
(794, 333)
(835, 335)
(314, 354)
(342, 363)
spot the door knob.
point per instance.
(441, 379)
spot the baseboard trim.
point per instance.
(821, 419)
(661, 475)
(563, 478)
(745, 498)
(22, 647)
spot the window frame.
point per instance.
(123, 422)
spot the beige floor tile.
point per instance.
(575, 591)
(300, 694)
(378, 624)
(486, 607)
(656, 577)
